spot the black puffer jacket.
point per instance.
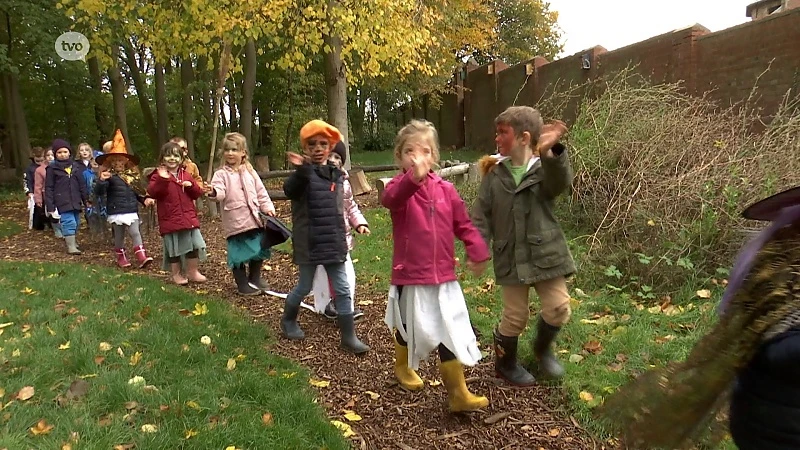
(120, 198)
(318, 230)
(765, 408)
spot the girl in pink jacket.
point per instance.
(353, 219)
(426, 305)
(242, 197)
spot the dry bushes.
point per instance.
(661, 173)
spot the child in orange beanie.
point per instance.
(319, 233)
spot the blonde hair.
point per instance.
(107, 146)
(82, 146)
(240, 142)
(413, 129)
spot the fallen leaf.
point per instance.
(41, 427)
(289, 375)
(365, 302)
(193, 404)
(137, 381)
(50, 330)
(621, 357)
(145, 312)
(593, 347)
(654, 310)
(28, 291)
(184, 312)
(104, 346)
(482, 309)
(6, 325)
(25, 328)
(704, 293)
(66, 446)
(667, 338)
(77, 389)
(554, 432)
(149, 428)
(319, 383)
(351, 416)
(205, 340)
(373, 395)
(99, 359)
(64, 346)
(124, 446)
(135, 358)
(120, 352)
(231, 364)
(615, 367)
(15, 353)
(434, 382)
(105, 420)
(575, 358)
(346, 430)
(190, 434)
(163, 408)
(200, 309)
(266, 418)
(585, 396)
(25, 393)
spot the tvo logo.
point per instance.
(72, 46)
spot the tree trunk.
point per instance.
(102, 121)
(161, 105)
(187, 106)
(248, 88)
(15, 112)
(206, 90)
(118, 95)
(232, 102)
(336, 87)
(141, 91)
(69, 115)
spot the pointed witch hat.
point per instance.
(771, 207)
(118, 148)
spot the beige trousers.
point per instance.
(553, 296)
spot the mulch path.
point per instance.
(396, 419)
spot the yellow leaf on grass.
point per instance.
(25, 393)
(26, 328)
(482, 309)
(351, 416)
(266, 418)
(28, 291)
(585, 396)
(135, 358)
(346, 430)
(373, 395)
(64, 346)
(231, 364)
(15, 353)
(200, 309)
(149, 428)
(231, 447)
(50, 330)
(319, 383)
(704, 293)
(192, 404)
(289, 375)
(104, 346)
(6, 325)
(41, 427)
(190, 434)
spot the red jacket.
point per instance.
(175, 203)
(426, 219)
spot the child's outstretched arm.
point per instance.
(217, 187)
(264, 202)
(354, 215)
(477, 249)
(295, 184)
(399, 190)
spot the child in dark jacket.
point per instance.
(316, 192)
(121, 185)
(175, 191)
(65, 193)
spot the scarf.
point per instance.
(674, 406)
(133, 178)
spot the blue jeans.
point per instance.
(338, 278)
(69, 222)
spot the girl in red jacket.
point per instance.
(426, 305)
(175, 191)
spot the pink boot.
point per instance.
(141, 256)
(122, 260)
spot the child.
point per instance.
(120, 184)
(426, 305)
(514, 209)
(188, 165)
(85, 156)
(352, 219)
(65, 193)
(50, 219)
(316, 191)
(242, 196)
(29, 179)
(175, 192)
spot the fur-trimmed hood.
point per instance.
(488, 162)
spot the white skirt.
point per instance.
(322, 291)
(123, 219)
(433, 315)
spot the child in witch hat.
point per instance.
(120, 182)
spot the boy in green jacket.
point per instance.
(514, 212)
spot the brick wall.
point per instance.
(726, 64)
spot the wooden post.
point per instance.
(359, 182)
(380, 185)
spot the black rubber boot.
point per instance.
(545, 336)
(505, 364)
(254, 276)
(330, 311)
(242, 283)
(289, 326)
(347, 329)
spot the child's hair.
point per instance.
(522, 119)
(37, 152)
(177, 139)
(107, 146)
(170, 148)
(239, 141)
(81, 146)
(412, 129)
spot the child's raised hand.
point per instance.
(363, 229)
(478, 268)
(421, 167)
(551, 134)
(186, 183)
(149, 202)
(105, 175)
(162, 172)
(295, 159)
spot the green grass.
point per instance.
(11, 191)
(66, 323)
(612, 336)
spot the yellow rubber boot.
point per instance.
(405, 375)
(458, 396)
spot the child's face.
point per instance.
(85, 153)
(62, 154)
(233, 155)
(505, 139)
(335, 159)
(184, 147)
(318, 148)
(38, 160)
(172, 161)
(48, 156)
(418, 148)
(117, 164)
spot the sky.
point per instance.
(617, 23)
